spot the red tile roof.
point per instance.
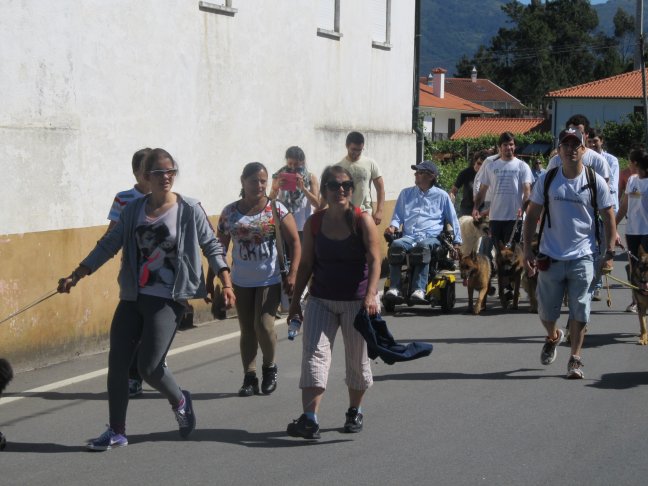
(627, 85)
(481, 91)
(449, 102)
(476, 127)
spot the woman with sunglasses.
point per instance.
(249, 225)
(341, 254)
(162, 236)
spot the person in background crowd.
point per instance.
(140, 189)
(466, 179)
(364, 171)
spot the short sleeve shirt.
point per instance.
(507, 179)
(363, 171)
(122, 199)
(254, 249)
(572, 233)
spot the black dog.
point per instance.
(6, 375)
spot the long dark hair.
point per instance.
(329, 174)
(249, 170)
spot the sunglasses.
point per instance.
(163, 172)
(335, 185)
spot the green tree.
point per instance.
(548, 46)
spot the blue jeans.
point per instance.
(420, 274)
(576, 277)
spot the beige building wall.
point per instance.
(85, 84)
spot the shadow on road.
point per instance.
(497, 375)
(238, 437)
(621, 381)
(41, 448)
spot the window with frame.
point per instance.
(328, 19)
(223, 7)
(380, 16)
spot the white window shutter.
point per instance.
(378, 16)
(326, 16)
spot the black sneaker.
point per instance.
(303, 427)
(186, 417)
(3, 441)
(269, 382)
(353, 422)
(250, 385)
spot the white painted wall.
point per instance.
(85, 84)
(441, 120)
(597, 111)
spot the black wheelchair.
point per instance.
(440, 288)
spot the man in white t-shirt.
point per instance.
(363, 171)
(510, 180)
(567, 245)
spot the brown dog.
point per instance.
(639, 278)
(510, 264)
(475, 273)
(530, 284)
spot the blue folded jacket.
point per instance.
(381, 343)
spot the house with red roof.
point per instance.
(443, 113)
(608, 99)
(486, 93)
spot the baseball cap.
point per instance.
(570, 133)
(428, 166)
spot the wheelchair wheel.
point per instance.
(448, 297)
(389, 306)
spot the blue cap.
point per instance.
(427, 165)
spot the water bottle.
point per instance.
(293, 327)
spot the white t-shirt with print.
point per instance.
(637, 191)
(572, 234)
(506, 179)
(590, 158)
(254, 249)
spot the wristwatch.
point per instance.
(609, 254)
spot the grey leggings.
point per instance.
(151, 322)
(257, 308)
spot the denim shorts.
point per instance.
(574, 277)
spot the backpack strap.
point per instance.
(591, 183)
(316, 220)
(551, 175)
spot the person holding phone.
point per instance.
(295, 187)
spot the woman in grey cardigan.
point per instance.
(161, 235)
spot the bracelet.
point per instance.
(226, 287)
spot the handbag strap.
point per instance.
(279, 238)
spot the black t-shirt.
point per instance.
(466, 179)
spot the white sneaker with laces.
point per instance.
(393, 293)
(632, 308)
(418, 296)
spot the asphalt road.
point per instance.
(481, 409)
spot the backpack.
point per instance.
(591, 185)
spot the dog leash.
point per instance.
(29, 306)
(623, 282)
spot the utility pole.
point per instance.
(643, 86)
(638, 34)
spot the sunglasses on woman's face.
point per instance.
(335, 185)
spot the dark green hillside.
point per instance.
(451, 29)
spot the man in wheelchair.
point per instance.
(422, 211)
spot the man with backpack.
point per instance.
(570, 195)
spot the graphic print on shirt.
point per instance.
(157, 251)
(254, 235)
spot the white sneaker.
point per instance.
(418, 296)
(632, 308)
(575, 368)
(393, 293)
